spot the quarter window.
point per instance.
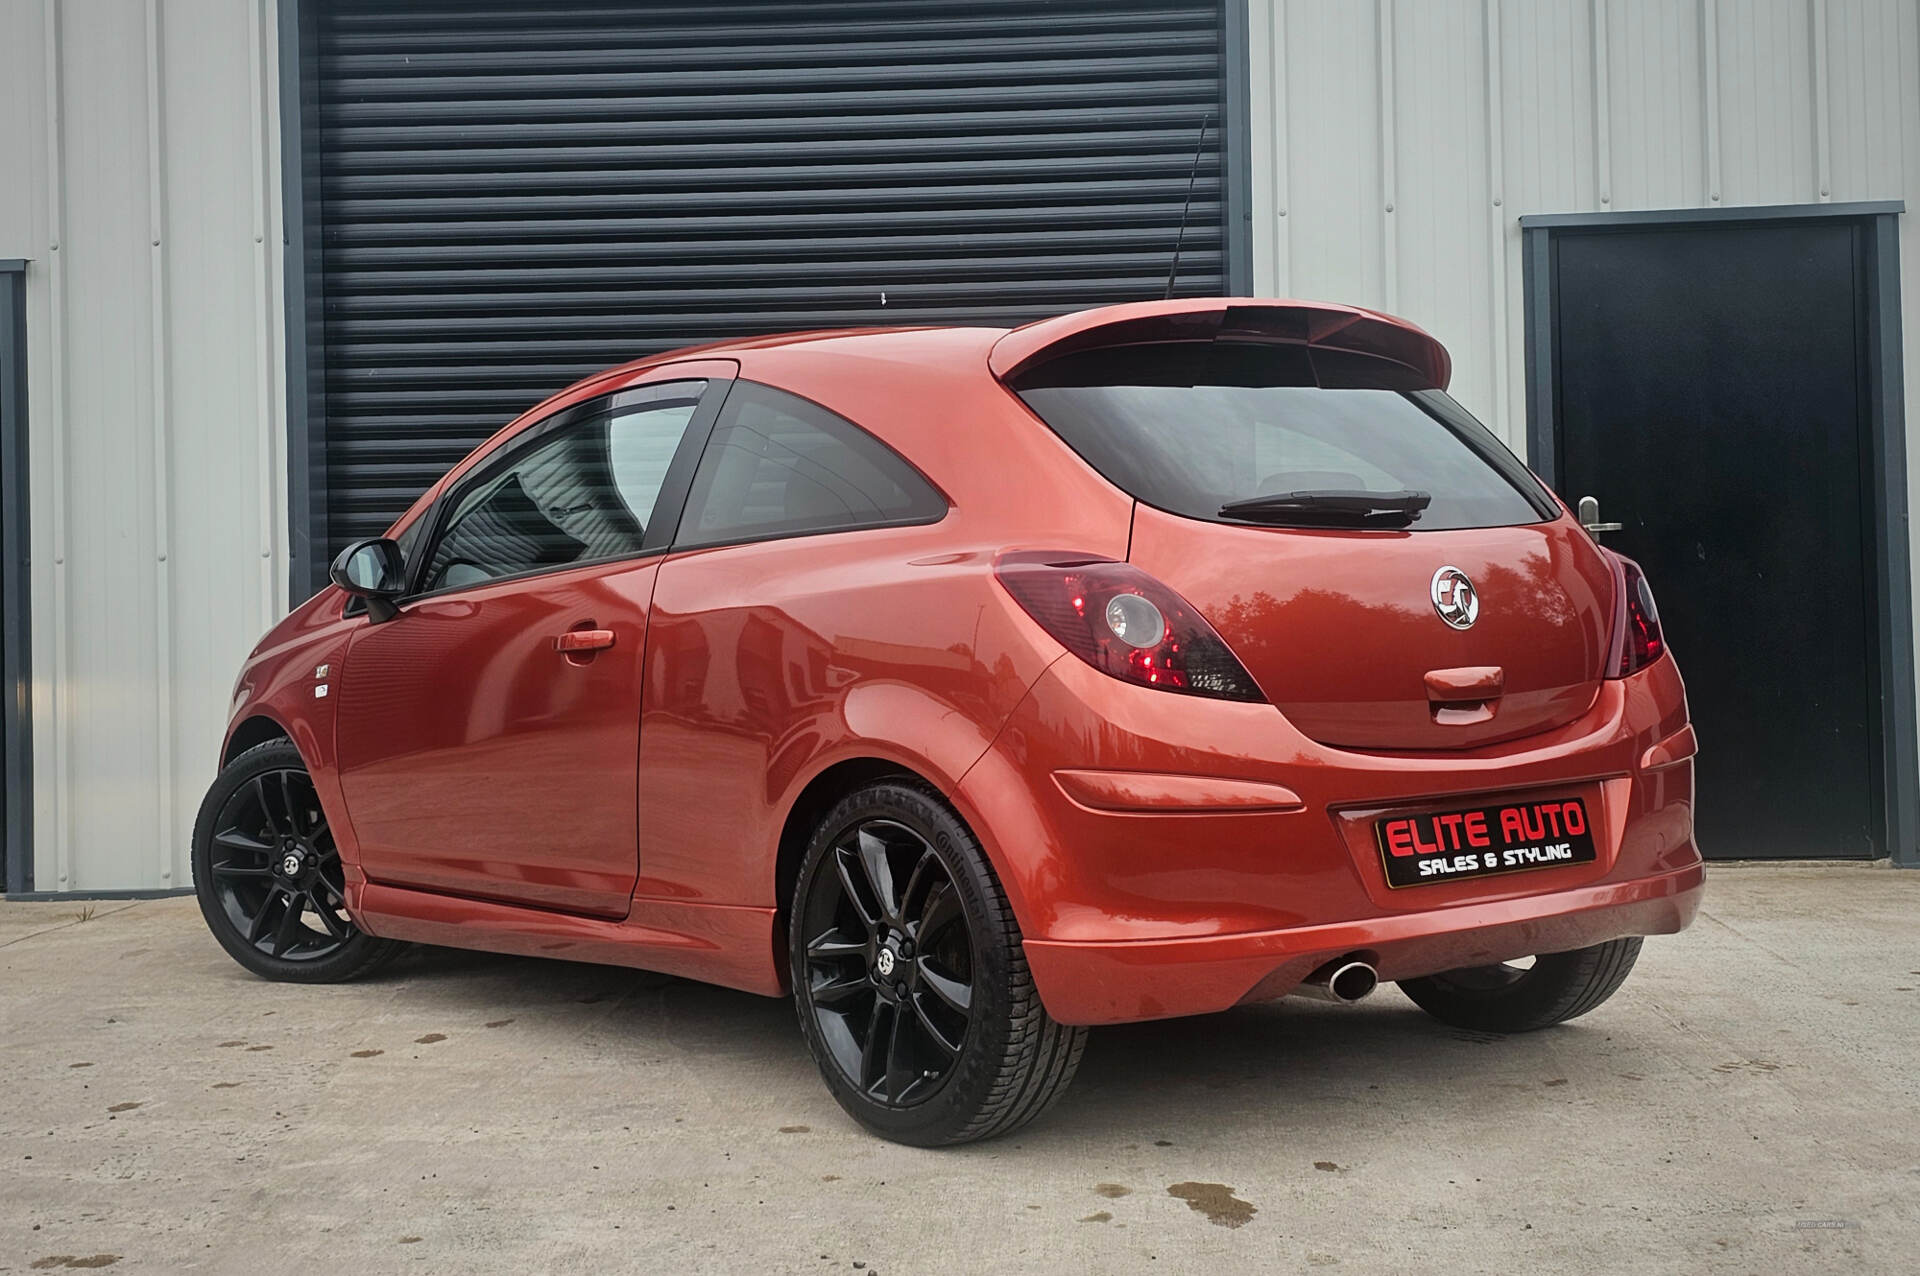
(780, 465)
(411, 536)
(583, 494)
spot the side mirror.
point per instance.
(374, 570)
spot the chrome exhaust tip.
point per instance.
(1344, 982)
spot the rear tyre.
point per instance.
(1509, 998)
(268, 875)
(909, 979)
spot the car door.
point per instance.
(488, 736)
(776, 559)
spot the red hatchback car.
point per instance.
(974, 686)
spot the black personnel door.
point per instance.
(1710, 386)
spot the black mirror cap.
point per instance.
(375, 570)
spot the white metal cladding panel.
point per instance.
(113, 677)
(1327, 198)
(22, 127)
(1546, 115)
(1765, 93)
(1442, 219)
(152, 407)
(1656, 116)
(1873, 111)
(1565, 106)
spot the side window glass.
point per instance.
(640, 447)
(583, 494)
(779, 465)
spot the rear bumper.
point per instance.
(1094, 983)
(1170, 855)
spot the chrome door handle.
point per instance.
(1589, 516)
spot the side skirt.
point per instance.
(714, 943)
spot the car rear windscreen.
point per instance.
(1191, 427)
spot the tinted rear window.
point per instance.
(1188, 432)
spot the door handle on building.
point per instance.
(1589, 516)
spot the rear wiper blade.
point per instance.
(1329, 508)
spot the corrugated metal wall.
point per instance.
(511, 197)
(138, 176)
(1396, 144)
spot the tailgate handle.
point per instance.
(1477, 683)
(1464, 697)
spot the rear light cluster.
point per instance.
(1637, 638)
(1125, 623)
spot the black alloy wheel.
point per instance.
(268, 875)
(909, 976)
(275, 866)
(889, 963)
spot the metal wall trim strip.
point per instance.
(57, 707)
(162, 443)
(16, 589)
(1237, 146)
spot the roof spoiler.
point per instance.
(1346, 329)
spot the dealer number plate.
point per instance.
(1483, 841)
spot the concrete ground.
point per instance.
(1749, 1102)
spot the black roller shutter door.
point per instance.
(511, 196)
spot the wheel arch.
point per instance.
(250, 733)
(818, 796)
(824, 789)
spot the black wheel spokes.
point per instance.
(297, 913)
(942, 994)
(856, 889)
(273, 806)
(945, 989)
(329, 919)
(878, 1046)
(837, 967)
(247, 858)
(940, 1036)
(287, 933)
(942, 909)
(889, 967)
(896, 1067)
(877, 867)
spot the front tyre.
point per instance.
(268, 875)
(1512, 998)
(909, 979)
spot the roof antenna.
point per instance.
(1198, 149)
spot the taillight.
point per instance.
(1125, 623)
(1637, 638)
